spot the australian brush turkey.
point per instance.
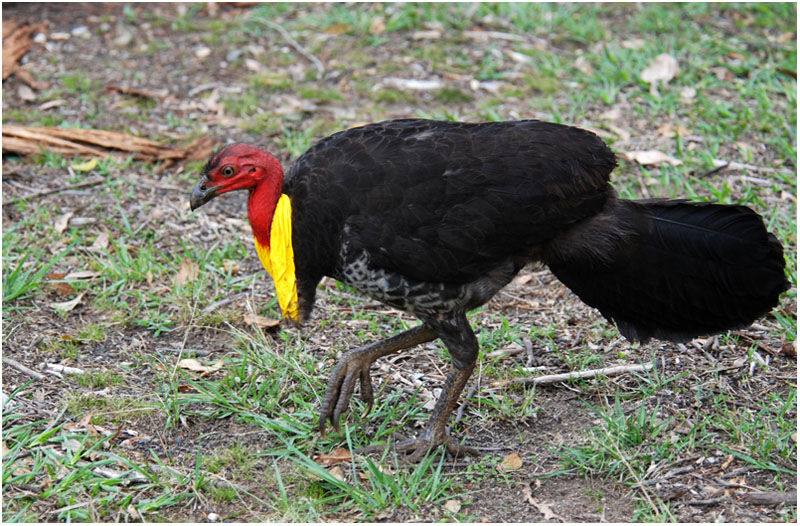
(434, 218)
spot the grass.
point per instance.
(63, 468)
(566, 63)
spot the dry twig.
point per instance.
(83, 184)
(22, 368)
(300, 49)
(555, 378)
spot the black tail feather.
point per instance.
(672, 269)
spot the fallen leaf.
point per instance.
(67, 306)
(723, 73)
(650, 157)
(583, 65)
(134, 513)
(545, 508)
(521, 279)
(670, 130)
(336, 456)
(510, 463)
(611, 115)
(413, 84)
(50, 104)
(82, 274)
(452, 506)
(253, 65)
(337, 472)
(86, 421)
(88, 166)
(633, 43)
(26, 93)
(260, 321)
(231, 266)
(25, 76)
(430, 396)
(489, 36)
(100, 242)
(507, 350)
(188, 272)
(81, 221)
(191, 364)
(63, 289)
(727, 463)
(789, 348)
(663, 69)
(430, 34)
(62, 222)
(688, 93)
(212, 102)
(378, 26)
(527, 494)
(338, 28)
(623, 134)
(138, 92)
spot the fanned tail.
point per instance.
(672, 269)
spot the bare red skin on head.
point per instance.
(254, 170)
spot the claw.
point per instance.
(355, 365)
(366, 392)
(351, 367)
(413, 450)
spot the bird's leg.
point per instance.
(355, 365)
(463, 347)
(435, 432)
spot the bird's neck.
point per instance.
(261, 207)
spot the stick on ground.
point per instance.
(555, 378)
(22, 368)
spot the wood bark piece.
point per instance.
(772, 498)
(16, 42)
(27, 140)
(138, 92)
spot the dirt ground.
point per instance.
(707, 484)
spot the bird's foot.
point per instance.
(414, 449)
(351, 367)
(354, 365)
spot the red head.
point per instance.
(236, 167)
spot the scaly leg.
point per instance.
(463, 347)
(435, 433)
(355, 364)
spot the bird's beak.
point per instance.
(202, 194)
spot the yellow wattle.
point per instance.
(278, 258)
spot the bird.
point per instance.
(435, 217)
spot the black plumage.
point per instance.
(436, 217)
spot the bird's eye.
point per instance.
(227, 171)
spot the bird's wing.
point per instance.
(447, 202)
